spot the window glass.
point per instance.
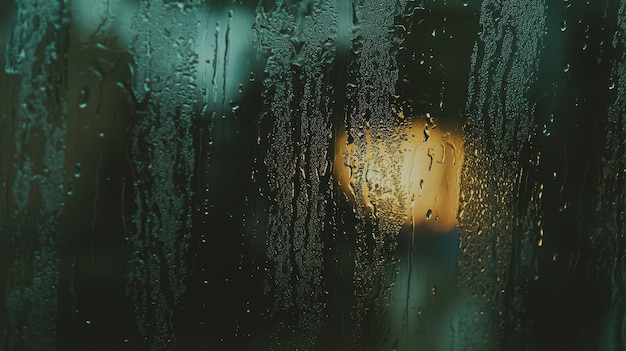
(312, 174)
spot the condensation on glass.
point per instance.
(251, 175)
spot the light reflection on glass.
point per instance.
(431, 158)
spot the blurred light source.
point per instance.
(431, 158)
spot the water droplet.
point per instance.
(434, 33)
(77, 171)
(465, 4)
(426, 134)
(611, 85)
(234, 106)
(83, 97)
(429, 214)
(566, 68)
(546, 132)
(563, 207)
(101, 134)
(88, 322)
(563, 25)
(147, 85)
(584, 46)
(433, 290)
(419, 311)
(551, 118)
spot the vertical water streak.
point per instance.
(299, 97)
(35, 52)
(499, 122)
(374, 158)
(611, 193)
(162, 155)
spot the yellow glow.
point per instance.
(429, 158)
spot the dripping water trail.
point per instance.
(225, 63)
(205, 75)
(217, 37)
(408, 280)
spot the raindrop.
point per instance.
(551, 118)
(426, 134)
(419, 311)
(83, 97)
(77, 171)
(546, 132)
(88, 322)
(611, 85)
(101, 134)
(563, 26)
(465, 4)
(433, 290)
(584, 46)
(566, 68)
(234, 106)
(429, 214)
(146, 85)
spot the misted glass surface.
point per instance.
(313, 175)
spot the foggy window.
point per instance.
(312, 175)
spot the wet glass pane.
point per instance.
(312, 175)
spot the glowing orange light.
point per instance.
(430, 161)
